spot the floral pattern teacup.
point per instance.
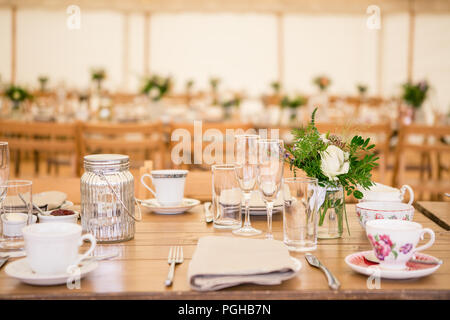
(394, 241)
(367, 211)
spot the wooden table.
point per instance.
(140, 270)
(437, 211)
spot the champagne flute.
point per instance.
(246, 168)
(4, 168)
(270, 174)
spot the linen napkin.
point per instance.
(221, 262)
(51, 199)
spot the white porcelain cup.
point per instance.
(395, 241)
(13, 223)
(367, 211)
(169, 185)
(382, 193)
(52, 247)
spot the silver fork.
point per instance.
(175, 257)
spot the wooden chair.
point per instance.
(432, 150)
(189, 143)
(51, 140)
(139, 141)
(380, 134)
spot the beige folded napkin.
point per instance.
(221, 262)
(53, 200)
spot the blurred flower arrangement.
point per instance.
(156, 87)
(322, 82)
(98, 75)
(362, 89)
(17, 95)
(293, 103)
(214, 84)
(276, 87)
(43, 80)
(228, 103)
(337, 164)
(415, 94)
(189, 85)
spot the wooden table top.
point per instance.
(140, 270)
(438, 211)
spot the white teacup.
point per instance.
(52, 248)
(367, 211)
(394, 241)
(383, 193)
(169, 185)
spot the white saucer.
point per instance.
(357, 262)
(20, 270)
(185, 205)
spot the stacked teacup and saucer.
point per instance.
(393, 235)
(169, 192)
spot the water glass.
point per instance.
(300, 215)
(15, 213)
(226, 197)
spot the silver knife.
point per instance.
(333, 283)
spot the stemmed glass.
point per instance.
(246, 168)
(4, 168)
(270, 174)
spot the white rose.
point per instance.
(334, 162)
(323, 136)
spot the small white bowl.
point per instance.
(367, 211)
(13, 228)
(73, 218)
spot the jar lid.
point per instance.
(106, 159)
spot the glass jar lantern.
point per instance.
(107, 198)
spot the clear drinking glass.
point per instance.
(4, 167)
(270, 174)
(300, 215)
(226, 197)
(246, 164)
(15, 213)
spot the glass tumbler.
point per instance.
(15, 212)
(227, 197)
(300, 215)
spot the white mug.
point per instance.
(382, 193)
(395, 241)
(169, 185)
(52, 248)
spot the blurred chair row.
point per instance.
(66, 144)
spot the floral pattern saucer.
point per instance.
(358, 262)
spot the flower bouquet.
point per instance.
(362, 89)
(323, 82)
(293, 103)
(156, 87)
(340, 167)
(415, 94)
(17, 95)
(98, 75)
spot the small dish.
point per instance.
(358, 262)
(154, 206)
(73, 218)
(20, 270)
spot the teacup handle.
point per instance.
(410, 191)
(145, 185)
(93, 242)
(429, 243)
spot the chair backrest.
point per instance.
(51, 137)
(430, 145)
(140, 141)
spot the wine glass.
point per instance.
(246, 168)
(270, 174)
(4, 168)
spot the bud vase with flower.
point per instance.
(340, 167)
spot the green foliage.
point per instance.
(158, 84)
(98, 74)
(415, 94)
(305, 155)
(17, 93)
(295, 102)
(323, 82)
(362, 88)
(276, 86)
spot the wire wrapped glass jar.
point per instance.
(107, 198)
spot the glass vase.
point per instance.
(331, 213)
